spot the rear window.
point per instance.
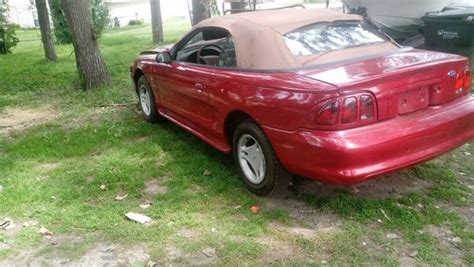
(321, 38)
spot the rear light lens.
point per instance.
(467, 80)
(355, 110)
(367, 108)
(349, 110)
(460, 81)
(329, 113)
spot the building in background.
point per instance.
(23, 12)
(127, 10)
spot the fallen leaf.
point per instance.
(353, 189)
(255, 209)
(7, 224)
(384, 214)
(467, 153)
(209, 252)
(30, 223)
(103, 187)
(413, 254)
(45, 232)
(456, 240)
(146, 204)
(151, 264)
(207, 172)
(213, 230)
(121, 196)
(237, 207)
(137, 217)
(392, 236)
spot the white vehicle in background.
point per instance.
(400, 18)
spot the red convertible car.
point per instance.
(311, 92)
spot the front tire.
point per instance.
(147, 102)
(260, 169)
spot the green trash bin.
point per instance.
(450, 28)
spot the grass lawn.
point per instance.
(65, 154)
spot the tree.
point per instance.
(90, 64)
(61, 31)
(100, 18)
(201, 10)
(156, 22)
(45, 28)
(8, 38)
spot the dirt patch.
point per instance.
(304, 214)
(448, 242)
(22, 118)
(188, 233)
(277, 250)
(206, 256)
(114, 113)
(153, 188)
(47, 166)
(386, 186)
(102, 254)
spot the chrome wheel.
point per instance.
(251, 159)
(145, 100)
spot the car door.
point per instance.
(185, 86)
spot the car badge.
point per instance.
(452, 73)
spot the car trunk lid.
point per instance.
(402, 82)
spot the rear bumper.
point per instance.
(355, 155)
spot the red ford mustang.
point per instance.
(311, 92)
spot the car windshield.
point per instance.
(321, 38)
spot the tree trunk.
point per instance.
(200, 10)
(90, 64)
(45, 28)
(156, 22)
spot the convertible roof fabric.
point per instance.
(259, 42)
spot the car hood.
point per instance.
(157, 50)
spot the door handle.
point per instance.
(199, 87)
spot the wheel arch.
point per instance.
(232, 120)
(136, 76)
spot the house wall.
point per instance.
(140, 9)
(23, 13)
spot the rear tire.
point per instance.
(259, 168)
(147, 102)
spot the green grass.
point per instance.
(52, 173)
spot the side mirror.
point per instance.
(163, 57)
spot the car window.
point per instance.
(228, 56)
(325, 37)
(187, 52)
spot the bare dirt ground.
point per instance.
(13, 119)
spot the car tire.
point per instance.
(249, 146)
(147, 102)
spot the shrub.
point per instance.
(135, 22)
(100, 20)
(8, 38)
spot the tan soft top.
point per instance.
(259, 43)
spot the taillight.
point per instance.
(349, 110)
(467, 80)
(367, 108)
(329, 113)
(460, 80)
(355, 110)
